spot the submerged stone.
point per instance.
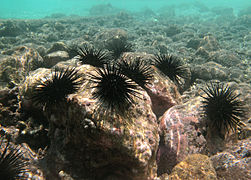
(195, 166)
(181, 135)
(87, 144)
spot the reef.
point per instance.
(132, 96)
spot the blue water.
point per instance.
(35, 9)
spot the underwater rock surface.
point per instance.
(19, 62)
(181, 135)
(53, 58)
(234, 162)
(8, 106)
(190, 169)
(164, 94)
(88, 145)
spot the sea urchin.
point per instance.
(12, 165)
(113, 90)
(137, 70)
(222, 107)
(118, 47)
(94, 57)
(171, 67)
(51, 91)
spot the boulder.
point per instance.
(163, 92)
(181, 135)
(17, 65)
(57, 46)
(234, 162)
(193, 43)
(87, 145)
(210, 70)
(195, 166)
(224, 58)
(210, 43)
(104, 38)
(8, 106)
(55, 57)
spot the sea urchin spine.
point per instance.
(137, 70)
(171, 67)
(222, 107)
(94, 57)
(12, 165)
(55, 89)
(113, 90)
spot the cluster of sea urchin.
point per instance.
(92, 56)
(222, 107)
(54, 90)
(113, 90)
(139, 71)
(12, 165)
(171, 67)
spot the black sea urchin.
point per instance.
(137, 70)
(94, 57)
(171, 67)
(113, 89)
(118, 47)
(12, 165)
(51, 91)
(222, 107)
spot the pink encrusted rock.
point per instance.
(164, 94)
(181, 135)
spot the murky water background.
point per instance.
(35, 9)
